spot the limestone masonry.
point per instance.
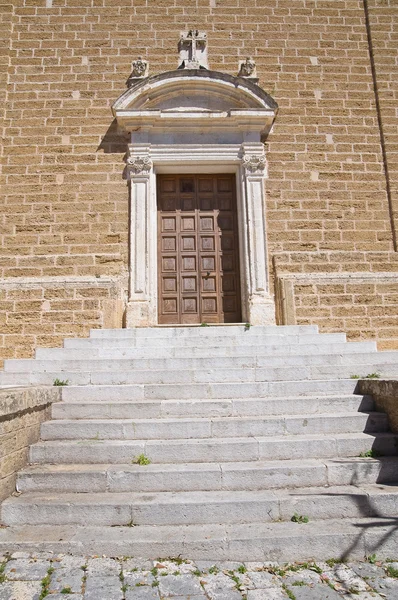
(330, 179)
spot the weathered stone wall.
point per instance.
(383, 27)
(354, 292)
(64, 210)
(385, 394)
(42, 312)
(22, 411)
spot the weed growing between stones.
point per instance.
(142, 460)
(59, 382)
(372, 559)
(3, 578)
(392, 572)
(369, 454)
(288, 592)
(45, 584)
(66, 590)
(242, 569)
(296, 518)
(333, 561)
(213, 570)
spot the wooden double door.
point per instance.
(198, 253)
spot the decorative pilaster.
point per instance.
(141, 309)
(260, 304)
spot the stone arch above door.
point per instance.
(196, 121)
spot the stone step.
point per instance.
(214, 330)
(145, 356)
(148, 366)
(146, 409)
(219, 391)
(204, 342)
(184, 376)
(286, 541)
(214, 450)
(200, 507)
(216, 427)
(208, 476)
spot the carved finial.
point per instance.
(247, 68)
(193, 50)
(140, 68)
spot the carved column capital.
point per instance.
(138, 164)
(254, 164)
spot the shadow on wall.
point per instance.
(115, 140)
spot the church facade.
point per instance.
(198, 162)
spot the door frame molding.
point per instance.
(247, 162)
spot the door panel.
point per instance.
(198, 254)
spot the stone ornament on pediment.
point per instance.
(139, 165)
(139, 67)
(140, 70)
(254, 164)
(247, 68)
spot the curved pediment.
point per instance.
(190, 90)
(192, 96)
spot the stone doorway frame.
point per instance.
(238, 115)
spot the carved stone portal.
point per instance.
(194, 120)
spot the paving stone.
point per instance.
(66, 578)
(385, 585)
(304, 575)
(172, 566)
(349, 579)
(271, 593)
(103, 566)
(179, 585)
(367, 570)
(20, 590)
(109, 587)
(142, 593)
(65, 597)
(69, 562)
(318, 591)
(202, 597)
(220, 587)
(136, 563)
(262, 579)
(364, 596)
(25, 569)
(140, 577)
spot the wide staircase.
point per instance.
(218, 442)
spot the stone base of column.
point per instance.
(261, 311)
(140, 314)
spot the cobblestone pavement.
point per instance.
(64, 577)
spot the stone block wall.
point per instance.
(353, 292)
(65, 201)
(385, 394)
(21, 413)
(42, 312)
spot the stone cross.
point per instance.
(193, 51)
